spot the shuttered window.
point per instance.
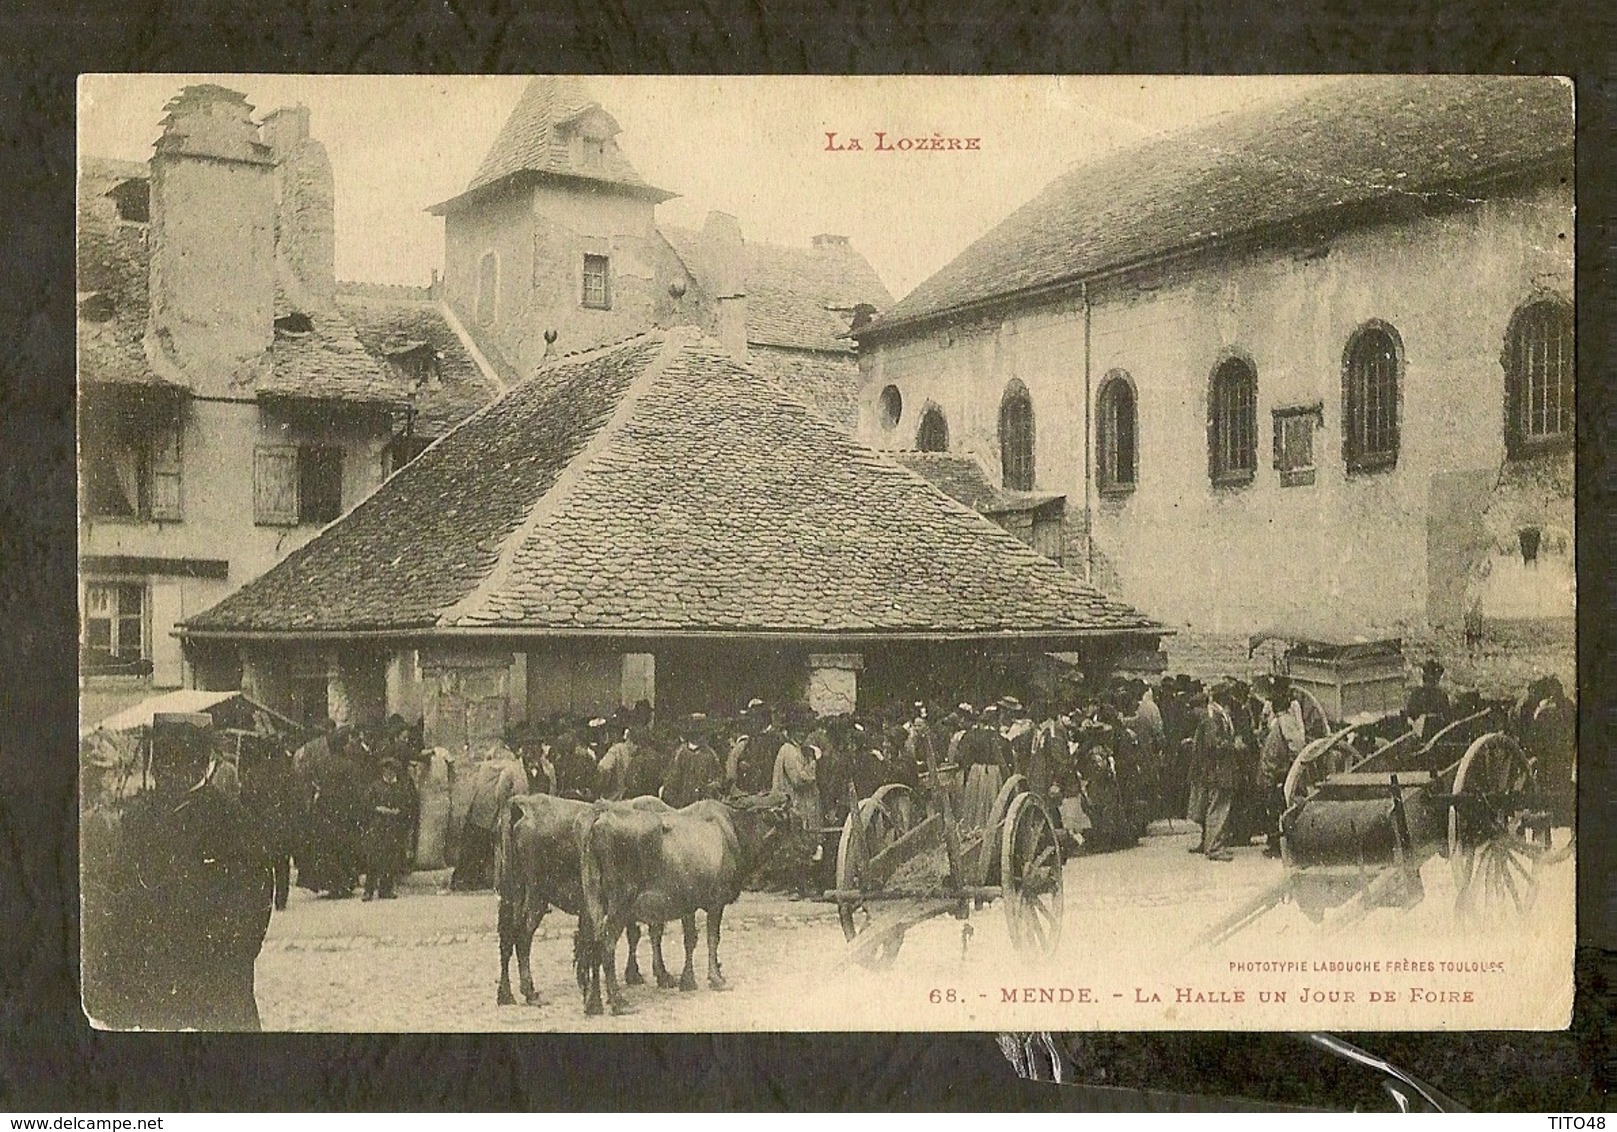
(166, 502)
(1294, 443)
(275, 486)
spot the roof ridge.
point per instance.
(563, 485)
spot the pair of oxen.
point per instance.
(617, 865)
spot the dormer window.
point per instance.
(418, 364)
(594, 152)
(295, 323)
(133, 199)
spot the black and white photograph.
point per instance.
(692, 554)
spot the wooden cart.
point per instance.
(1362, 815)
(956, 843)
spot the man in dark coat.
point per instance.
(694, 772)
(389, 819)
(648, 766)
(576, 770)
(177, 897)
(1428, 705)
(751, 763)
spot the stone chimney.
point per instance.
(725, 252)
(212, 237)
(305, 192)
(826, 242)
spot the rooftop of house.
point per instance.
(1337, 151)
(797, 298)
(402, 324)
(538, 139)
(657, 487)
(343, 354)
(112, 272)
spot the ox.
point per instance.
(537, 868)
(656, 867)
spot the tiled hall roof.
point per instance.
(657, 487)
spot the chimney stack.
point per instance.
(726, 254)
(305, 191)
(212, 236)
(826, 242)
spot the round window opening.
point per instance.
(892, 406)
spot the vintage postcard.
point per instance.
(699, 554)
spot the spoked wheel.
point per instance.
(1031, 877)
(1318, 761)
(1493, 850)
(863, 836)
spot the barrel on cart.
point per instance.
(1363, 813)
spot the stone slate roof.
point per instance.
(112, 279)
(390, 321)
(799, 298)
(827, 382)
(962, 477)
(658, 487)
(328, 363)
(534, 140)
(1352, 143)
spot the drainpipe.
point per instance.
(1089, 468)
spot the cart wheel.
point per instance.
(1014, 788)
(893, 816)
(1492, 849)
(863, 836)
(1031, 877)
(1318, 761)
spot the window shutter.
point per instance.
(166, 466)
(275, 485)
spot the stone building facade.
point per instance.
(1310, 368)
(228, 408)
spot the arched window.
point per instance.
(890, 406)
(1371, 368)
(1016, 438)
(1232, 430)
(1538, 364)
(933, 435)
(1116, 422)
(488, 286)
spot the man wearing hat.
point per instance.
(1428, 708)
(177, 897)
(694, 772)
(1283, 739)
(795, 774)
(751, 761)
(389, 818)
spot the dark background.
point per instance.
(51, 1060)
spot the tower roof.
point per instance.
(557, 129)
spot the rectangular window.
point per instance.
(296, 485)
(1294, 444)
(131, 465)
(319, 484)
(115, 628)
(597, 284)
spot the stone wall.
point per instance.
(1365, 552)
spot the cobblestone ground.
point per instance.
(430, 960)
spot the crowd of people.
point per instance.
(1110, 758)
